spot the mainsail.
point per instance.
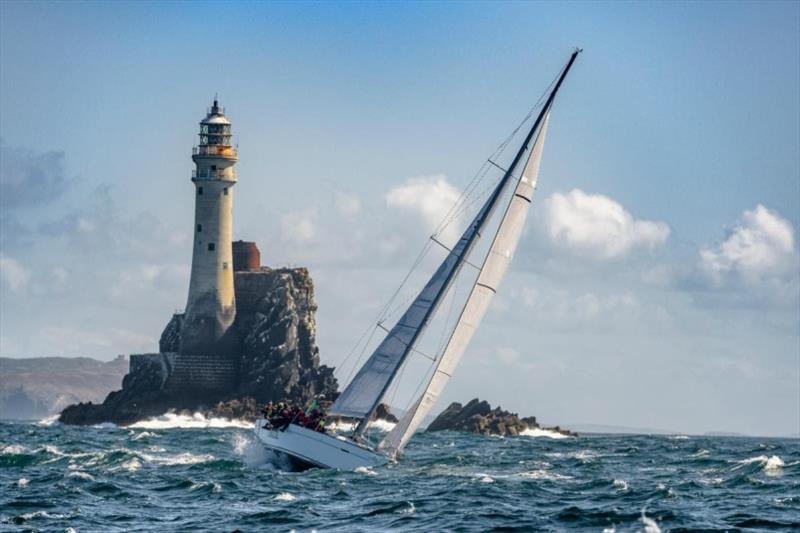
(363, 394)
(494, 268)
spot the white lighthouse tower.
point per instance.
(211, 307)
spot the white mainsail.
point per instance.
(494, 268)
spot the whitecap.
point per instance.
(485, 478)
(544, 474)
(700, 453)
(679, 437)
(195, 421)
(51, 420)
(365, 470)
(382, 425)
(539, 432)
(650, 525)
(143, 435)
(285, 497)
(132, 465)
(185, 458)
(772, 465)
(620, 484)
(408, 510)
(23, 482)
(13, 449)
(81, 475)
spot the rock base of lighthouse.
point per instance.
(276, 358)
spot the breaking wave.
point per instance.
(539, 432)
(195, 421)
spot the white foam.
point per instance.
(285, 497)
(772, 465)
(23, 482)
(544, 474)
(49, 421)
(131, 465)
(143, 435)
(13, 449)
(195, 421)
(700, 453)
(485, 478)
(365, 470)
(254, 454)
(650, 525)
(679, 437)
(620, 484)
(382, 425)
(409, 510)
(81, 475)
(539, 432)
(185, 458)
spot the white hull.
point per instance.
(318, 449)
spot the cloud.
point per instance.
(598, 225)
(428, 197)
(348, 205)
(298, 226)
(761, 246)
(29, 178)
(13, 274)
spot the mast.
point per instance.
(492, 271)
(377, 374)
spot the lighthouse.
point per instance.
(211, 306)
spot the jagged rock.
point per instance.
(278, 359)
(479, 417)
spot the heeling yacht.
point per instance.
(367, 390)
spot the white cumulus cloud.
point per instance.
(760, 246)
(429, 197)
(598, 225)
(13, 274)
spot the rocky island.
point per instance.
(275, 358)
(477, 416)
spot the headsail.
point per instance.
(494, 268)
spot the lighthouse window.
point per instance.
(199, 228)
(199, 191)
(225, 266)
(211, 247)
(225, 191)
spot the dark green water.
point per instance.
(58, 478)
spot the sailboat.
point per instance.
(367, 390)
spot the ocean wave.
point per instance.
(620, 484)
(539, 432)
(23, 482)
(47, 421)
(544, 474)
(650, 525)
(195, 421)
(13, 449)
(143, 435)
(81, 475)
(285, 497)
(772, 464)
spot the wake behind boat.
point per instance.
(383, 369)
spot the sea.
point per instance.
(189, 473)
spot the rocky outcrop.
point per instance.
(278, 359)
(479, 417)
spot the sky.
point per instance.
(657, 283)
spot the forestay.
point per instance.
(494, 268)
